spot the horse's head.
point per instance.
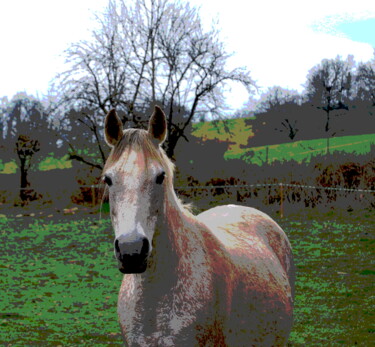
(136, 173)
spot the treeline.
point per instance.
(338, 100)
(142, 54)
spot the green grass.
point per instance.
(237, 135)
(48, 163)
(304, 150)
(8, 168)
(334, 303)
(59, 282)
(51, 163)
(300, 151)
(237, 132)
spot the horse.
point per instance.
(222, 278)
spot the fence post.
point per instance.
(281, 200)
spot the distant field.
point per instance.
(299, 151)
(59, 280)
(303, 150)
(236, 133)
(49, 163)
(55, 163)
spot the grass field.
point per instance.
(59, 281)
(236, 133)
(299, 151)
(49, 163)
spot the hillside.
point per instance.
(300, 151)
(236, 133)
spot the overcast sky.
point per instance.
(278, 41)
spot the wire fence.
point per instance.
(262, 185)
(233, 186)
(279, 193)
(283, 193)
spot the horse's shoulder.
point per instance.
(229, 213)
(243, 227)
(236, 216)
(239, 221)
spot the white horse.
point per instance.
(222, 278)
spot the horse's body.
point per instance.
(222, 278)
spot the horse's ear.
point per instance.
(157, 126)
(112, 128)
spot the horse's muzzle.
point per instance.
(132, 253)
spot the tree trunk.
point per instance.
(171, 145)
(328, 108)
(26, 148)
(24, 181)
(327, 129)
(327, 121)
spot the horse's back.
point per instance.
(261, 258)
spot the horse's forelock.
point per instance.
(140, 140)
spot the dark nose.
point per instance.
(131, 253)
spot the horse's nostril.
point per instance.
(145, 246)
(117, 248)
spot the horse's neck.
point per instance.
(179, 273)
(178, 245)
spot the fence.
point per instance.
(265, 193)
(284, 192)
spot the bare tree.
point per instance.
(193, 66)
(329, 86)
(365, 80)
(26, 125)
(83, 137)
(276, 113)
(25, 148)
(276, 96)
(289, 123)
(146, 52)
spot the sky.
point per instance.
(279, 41)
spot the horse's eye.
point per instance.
(107, 180)
(160, 178)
